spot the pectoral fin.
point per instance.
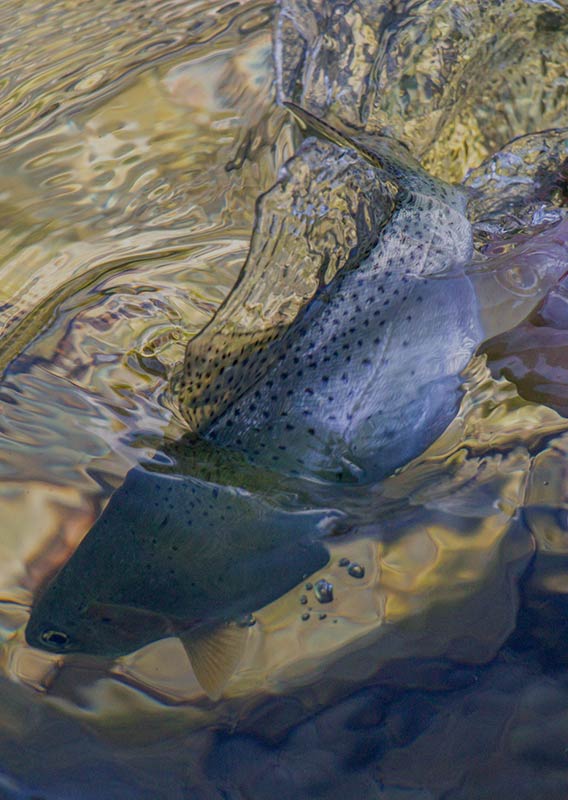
(215, 655)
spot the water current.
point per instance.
(426, 659)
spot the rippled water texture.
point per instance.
(144, 159)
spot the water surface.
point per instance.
(135, 139)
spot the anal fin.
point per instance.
(215, 655)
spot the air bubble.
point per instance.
(356, 571)
(324, 591)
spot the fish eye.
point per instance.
(55, 638)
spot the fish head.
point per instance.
(65, 620)
(96, 604)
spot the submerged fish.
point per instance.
(176, 556)
(182, 556)
(361, 380)
(367, 374)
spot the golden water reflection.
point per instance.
(131, 164)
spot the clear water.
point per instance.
(135, 139)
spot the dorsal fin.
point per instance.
(384, 152)
(326, 131)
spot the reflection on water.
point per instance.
(455, 81)
(420, 652)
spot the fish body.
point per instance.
(173, 556)
(362, 380)
(367, 375)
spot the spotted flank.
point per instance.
(366, 374)
(304, 227)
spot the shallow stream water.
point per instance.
(135, 141)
